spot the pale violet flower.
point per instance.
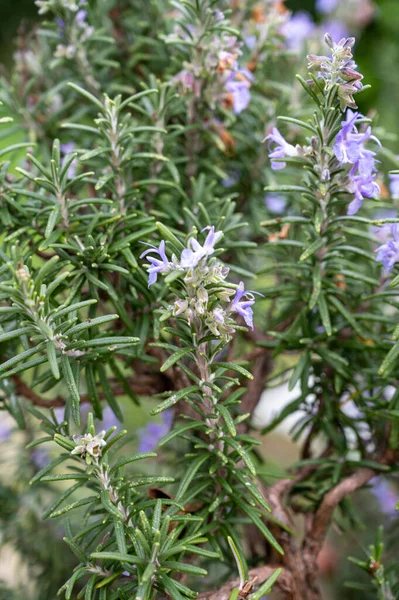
(243, 307)
(275, 203)
(238, 85)
(156, 265)
(152, 433)
(191, 256)
(280, 150)
(394, 185)
(326, 6)
(297, 29)
(388, 253)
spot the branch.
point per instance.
(322, 518)
(259, 573)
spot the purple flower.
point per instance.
(275, 203)
(233, 177)
(157, 266)
(394, 185)
(282, 149)
(109, 419)
(387, 499)
(5, 429)
(67, 148)
(326, 6)
(361, 186)
(238, 85)
(152, 433)
(190, 257)
(243, 307)
(388, 253)
(40, 458)
(298, 29)
(81, 17)
(349, 144)
(60, 23)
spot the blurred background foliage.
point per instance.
(377, 53)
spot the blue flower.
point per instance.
(275, 203)
(243, 307)
(150, 435)
(388, 253)
(282, 149)
(157, 266)
(190, 257)
(361, 186)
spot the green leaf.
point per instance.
(227, 419)
(267, 585)
(118, 556)
(389, 361)
(231, 366)
(176, 356)
(301, 365)
(167, 234)
(316, 245)
(76, 549)
(174, 398)
(189, 475)
(52, 358)
(77, 504)
(241, 564)
(72, 387)
(120, 536)
(324, 314)
(129, 459)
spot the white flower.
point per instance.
(89, 444)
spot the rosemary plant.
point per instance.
(134, 222)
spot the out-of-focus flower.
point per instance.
(386, 497)
(394, 185)
(337, 28)
(238, 86)
(66, 149)
(109, 419)
(275, 203)
(40, 458)
(282, 149)
(297, 29)
(5, 428)
(326, 6)
(150, 435)
(388, 253)
(233, 177)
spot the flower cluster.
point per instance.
(205, 296)
(349, 148)
(89, 446)
(339, 68)
(214, 72)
